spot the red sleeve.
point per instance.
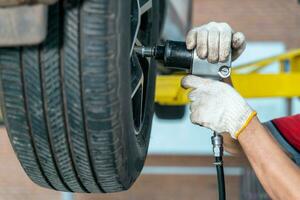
(289, 127)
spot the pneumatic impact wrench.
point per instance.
(174, 54)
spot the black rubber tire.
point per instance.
(169, 112)
(67, 104)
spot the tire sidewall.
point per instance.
(135, 146)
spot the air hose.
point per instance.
(217, 142)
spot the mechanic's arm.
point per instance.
(219, 107)
(276, 171)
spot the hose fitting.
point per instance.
(217, 142)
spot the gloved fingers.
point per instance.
(202, 46)
(225, 43)
(191, 39)
(194, 118)
(214, 42)
(213, 45)
(237, 52)
(192, 96)
(191, 81)
(198, 117)
(193, 106)
(197, 94)
(238, 40)
(197, 104)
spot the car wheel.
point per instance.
(78, 108)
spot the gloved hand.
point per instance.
(214, 42)
(217, 106)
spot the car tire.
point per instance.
(70, 104)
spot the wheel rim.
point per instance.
(141, 25)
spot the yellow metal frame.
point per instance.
(246, 78)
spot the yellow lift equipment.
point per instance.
(247, 79)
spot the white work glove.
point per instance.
(217, 106)
(214, 42)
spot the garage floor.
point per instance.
(155, 184)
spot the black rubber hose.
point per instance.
(221, 179)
